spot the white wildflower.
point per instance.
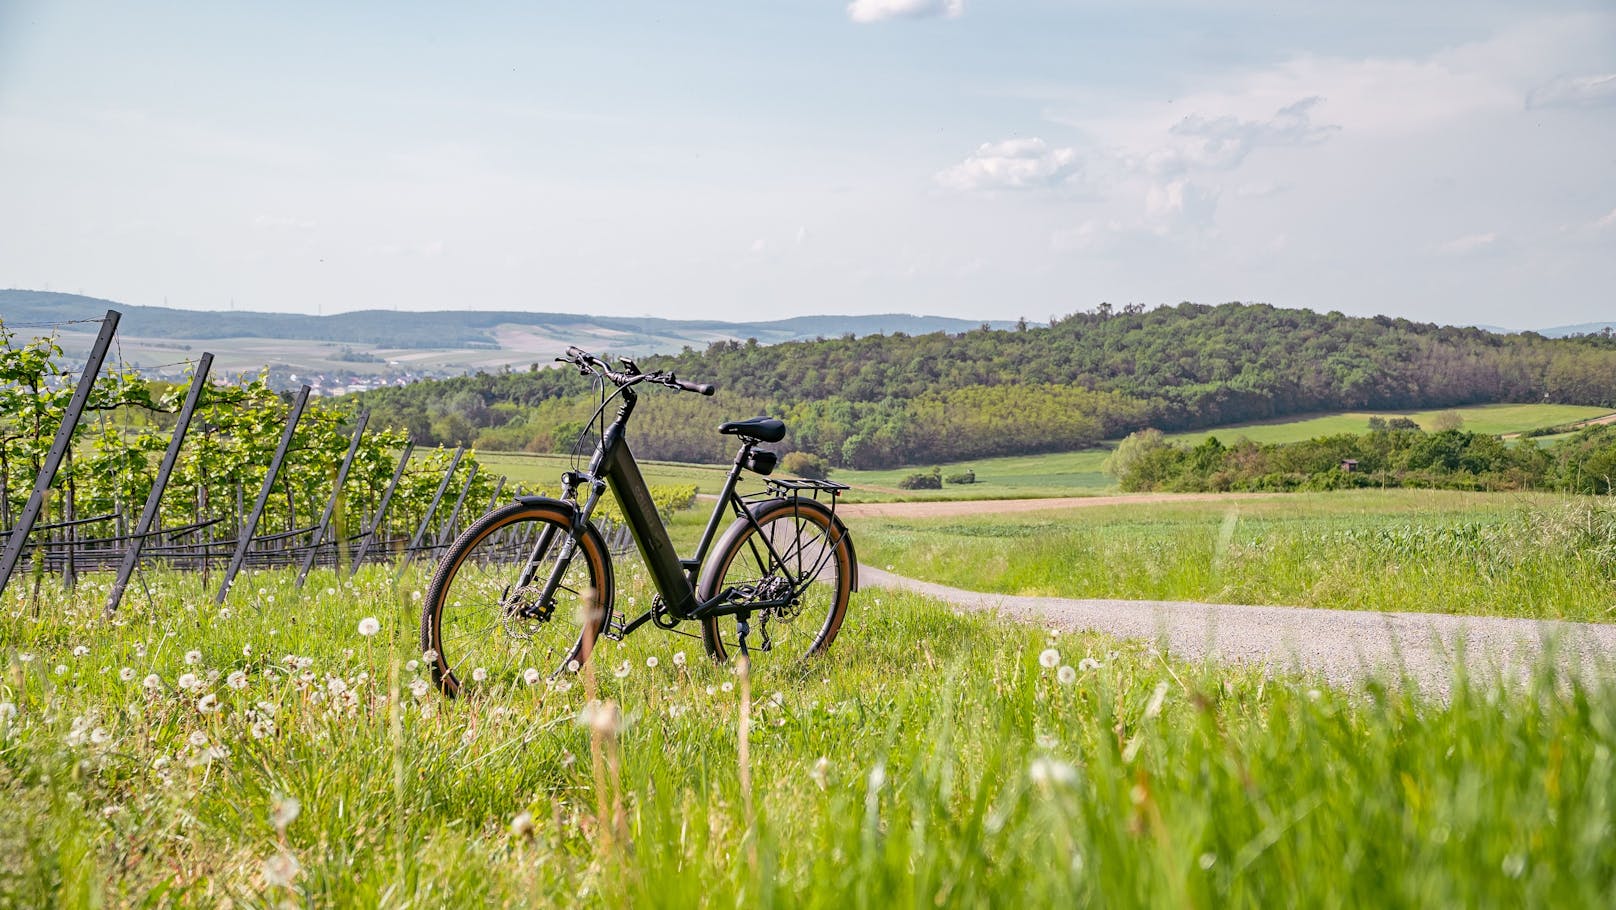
(621, 671)
(1087, 664)
(1066, 675)
(369, 626)
(208, 703)
(152, 682)
(522, 824)
(678, 658)
(412, 666)
(61, 669)
(651, 661)
(193, 657)
(430, 656)
(236, 680)
(199, 739)
(479, 675)
(1049, 659)
(283, 810)
(727, 686)
(573, 666)
(81, 650)
(419, 688)
(281, 870)
(126, 674)
(336, 685)
(188, 681)
(530, 676)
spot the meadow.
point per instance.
(1077, 473)
(271, 753)
(1539, 556)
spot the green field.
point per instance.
(1054, 474)
(1438, 551)
(929, 760)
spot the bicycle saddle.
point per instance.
(763, 429)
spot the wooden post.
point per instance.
(381, 510)
(244, 541)
(64, 441)
(131, 556)
(331, 504)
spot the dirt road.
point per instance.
(1343, 645)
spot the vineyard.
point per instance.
(103, 468)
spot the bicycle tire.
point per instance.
(813, 553)
(466, 623)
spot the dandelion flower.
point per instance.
(80, 651)
(127, 674)
(193, 657)
(678, 658)
(208, 703)
(236, 680)
(430, 656)
(262, 728)
(522, 824)
(281, 870)
(727, 686)
(572, 666)
(479, 675)
(621, 671)
(1049, 659)
(25, 657)
(651, 661)
(8, 710)
(199, 739)
(336, 685)
(369, 626)
(188, 681)
(61, 669)
(1087, 664)
(419, 688)
(283, 811)
(152, 682)
(1066, 675)
(530, 676)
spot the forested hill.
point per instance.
(894, 399)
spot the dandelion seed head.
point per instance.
(193, 657)
(81, 650)
(281, 870)
(522, 824)
(1049, 659)
(127, 674)
(678, 658)
(651, 661)
(369, 626)
(188, 681)
(236, 680)
(208, 703)
(1066, 675)
(283, 810)
(622, 670)
(479, 675)
(1087, 664)
(531, 676)
(152, 682)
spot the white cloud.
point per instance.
(1608, 221)
(880, 10)
(1180, 203)
(1575, 92)
(1221, 143)
(1013, 164)
(1470, 243)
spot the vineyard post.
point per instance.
(445, 533)
(59, 447)
(381, 510)
(432, 509)
(245, 540)
(331, 504)
(131, 557)
(499, 487)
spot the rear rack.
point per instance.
(793, 486)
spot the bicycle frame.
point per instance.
(612, 466)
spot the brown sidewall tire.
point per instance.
(729, 546)
(591, 547)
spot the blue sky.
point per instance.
(1454, 162)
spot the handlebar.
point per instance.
(588, 363)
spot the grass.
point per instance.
(929, 759)
(1438, 551)
(1055, 474)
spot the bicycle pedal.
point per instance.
(616, 627)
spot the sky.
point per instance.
(1446, 161)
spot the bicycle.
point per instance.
(513, 586)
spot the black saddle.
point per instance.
(763, 429)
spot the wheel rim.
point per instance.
(481, 643)
(805, 554)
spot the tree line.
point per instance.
(885, 400)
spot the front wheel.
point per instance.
(484, 624)
(794, 561)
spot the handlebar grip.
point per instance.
(700, 388)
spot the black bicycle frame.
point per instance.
(613, 466)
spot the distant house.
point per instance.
(1349, 464)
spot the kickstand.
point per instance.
(742, 629)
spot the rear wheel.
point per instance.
(795, 562)
(477, 620)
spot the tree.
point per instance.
(1131, 449)
(1446, 420)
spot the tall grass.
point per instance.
(1545, 558)
(930, 759)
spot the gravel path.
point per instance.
(1342, 645)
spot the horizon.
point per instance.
(755, 163)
